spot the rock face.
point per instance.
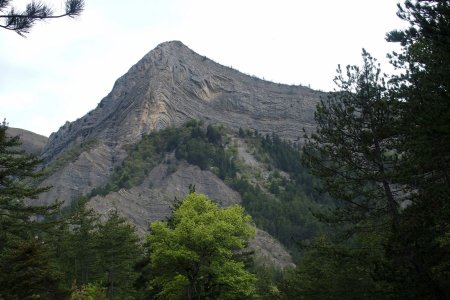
(167, 87)
(153, 199)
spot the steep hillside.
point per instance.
(167, 87)
(115, 158)
(32, 143)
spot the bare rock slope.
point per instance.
(167, 87)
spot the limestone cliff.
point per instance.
(169, 85)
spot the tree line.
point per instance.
(382, 151)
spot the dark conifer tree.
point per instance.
(18, 219)
(422, 247)
(119, 251)
(352, 149)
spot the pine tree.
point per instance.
(352, 150)
(18, 219)
(421, 248)
(20, 228)
(119, 251)
(27, 272)
(80, 251)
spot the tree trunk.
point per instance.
(392, 204)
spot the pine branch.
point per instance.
(21, 22)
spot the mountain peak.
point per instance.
(171, 45)
(167, 87)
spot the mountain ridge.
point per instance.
(167, 64)
(168, 87)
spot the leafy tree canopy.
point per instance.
(195, 257)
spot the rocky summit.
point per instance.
(167, 87)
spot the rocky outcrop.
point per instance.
(153, 200)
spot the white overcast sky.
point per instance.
(66, 66)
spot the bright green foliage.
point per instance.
(119, 250)
(195, 258)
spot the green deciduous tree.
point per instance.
(22, 21)
(195, 258)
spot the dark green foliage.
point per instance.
(336, 271)
(421, 247)
(285, 212)
(119, 250)
(18, 172)
(90, 291)
(286, 156)
(190, 142)
(353, 153)
(352, 150)
(78, 251)
(91, 252)
(145, 274)
(268, 280)
(412, 133)
(27, 272)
